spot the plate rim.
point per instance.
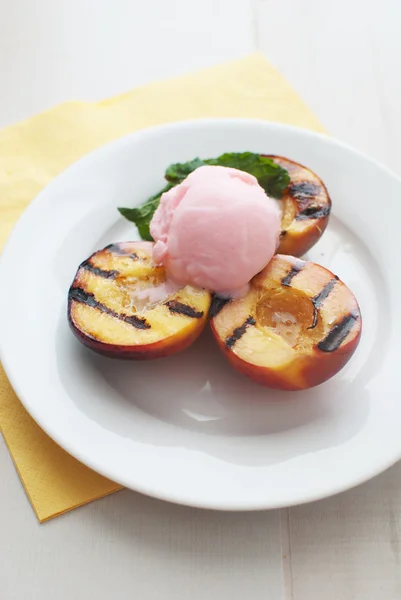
(263, 504)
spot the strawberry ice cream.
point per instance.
(215, 230)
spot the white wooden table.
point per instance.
(344, 59)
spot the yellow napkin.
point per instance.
(35, 151)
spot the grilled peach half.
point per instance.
(112, 307)
(296, 328)
(306, 207)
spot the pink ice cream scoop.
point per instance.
(215, 230)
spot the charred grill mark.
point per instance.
(180, 308)
(318, 300)
(313, 212)
(321, 297)
(338, 333)
(306, 193)
(116, 249)
(297, 267)
(305, 190)
(138, 322)
(217, 305)
(239, 332)
(88, 266)
(80, 295)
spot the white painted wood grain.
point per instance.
(348, 547)
(128, 546)
(344, 58)
(57, 50)
(124, 546)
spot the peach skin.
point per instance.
(306, 207)
(119, 305)
(297, 327)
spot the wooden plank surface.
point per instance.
(129, 546)
(344, 59)
(125, 546)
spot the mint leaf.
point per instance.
(177, 172)
(142, 215)
(271, 177)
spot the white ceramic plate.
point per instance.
(188, 428)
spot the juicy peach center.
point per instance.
(124, 299)
(140, 294)
(288, 212)
(290, 314)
